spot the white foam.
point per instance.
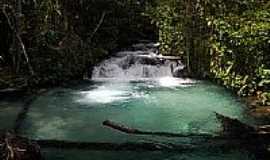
(174, 82)
(103, 95)
(135, 64)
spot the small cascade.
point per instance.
(140, 61)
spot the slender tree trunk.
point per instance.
(188, 34)
(18, 11)
(17, 40)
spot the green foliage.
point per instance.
(232, 42)
(241, 47)
(264, 84)
(182, 31)
(167, 18)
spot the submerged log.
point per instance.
(129, 130)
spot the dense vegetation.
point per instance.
(48, 42)
(228, 41)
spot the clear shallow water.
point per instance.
(171, 105)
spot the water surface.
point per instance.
(167, 104)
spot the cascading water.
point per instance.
(141, 62)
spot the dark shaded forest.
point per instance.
(49, 43)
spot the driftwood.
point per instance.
(103, 146)
(231, 128)
(155, 146)
(18, 148)
(235, 128)
(128, 130)
(235, 134)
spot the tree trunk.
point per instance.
(17, 28)
(129, 130)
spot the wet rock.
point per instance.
(149, 61)
(143, 61)
(146, 46)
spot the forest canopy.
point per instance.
(225, 40)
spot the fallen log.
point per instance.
(231, 128)
(104, 146)
(234, 128)
(129, 130)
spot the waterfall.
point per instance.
(138, 62)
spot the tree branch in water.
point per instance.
(129, 130)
